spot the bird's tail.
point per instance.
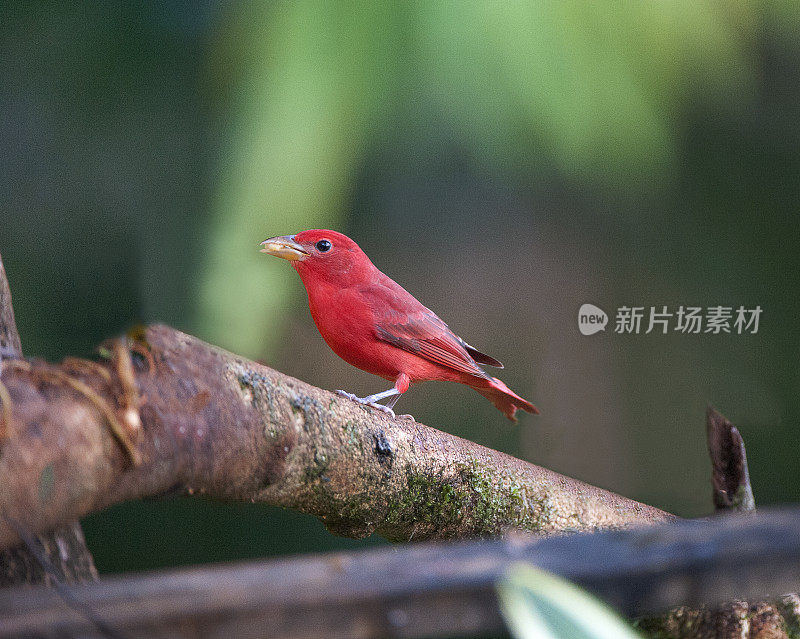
(504, 399)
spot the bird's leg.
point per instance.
(393, 393)
(400, 386)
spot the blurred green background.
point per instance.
(505, 161)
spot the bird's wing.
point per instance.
(404, 322)
(481, 358)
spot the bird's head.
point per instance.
(322, 255)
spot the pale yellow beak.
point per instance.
(284, 247)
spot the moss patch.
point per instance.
(473, 498)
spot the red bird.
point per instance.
(374, 324)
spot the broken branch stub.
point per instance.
(729, 474)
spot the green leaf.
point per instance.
(539, 605)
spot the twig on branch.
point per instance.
(434, 589)
(730, 477)
(217, 424)
(6, 426)
(732, 493)
(10, 345)
(64, 549)
(10, 348)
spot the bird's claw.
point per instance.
(343, 393)
(408, 417)
(380, 407)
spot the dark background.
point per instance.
(506, 165)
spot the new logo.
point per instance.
(591, 319)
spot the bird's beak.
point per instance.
(284, 247)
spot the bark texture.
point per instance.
(165, 411)
(63, 550)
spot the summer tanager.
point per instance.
(373, 323)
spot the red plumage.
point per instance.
(373, 323)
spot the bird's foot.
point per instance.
(363, 401)
(381, 407)
(408, 417)
(342, 393)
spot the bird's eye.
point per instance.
(323, 245)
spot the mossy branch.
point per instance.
(168, 412)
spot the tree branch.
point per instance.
(205, 421)
(442, 590)
(64, 549)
